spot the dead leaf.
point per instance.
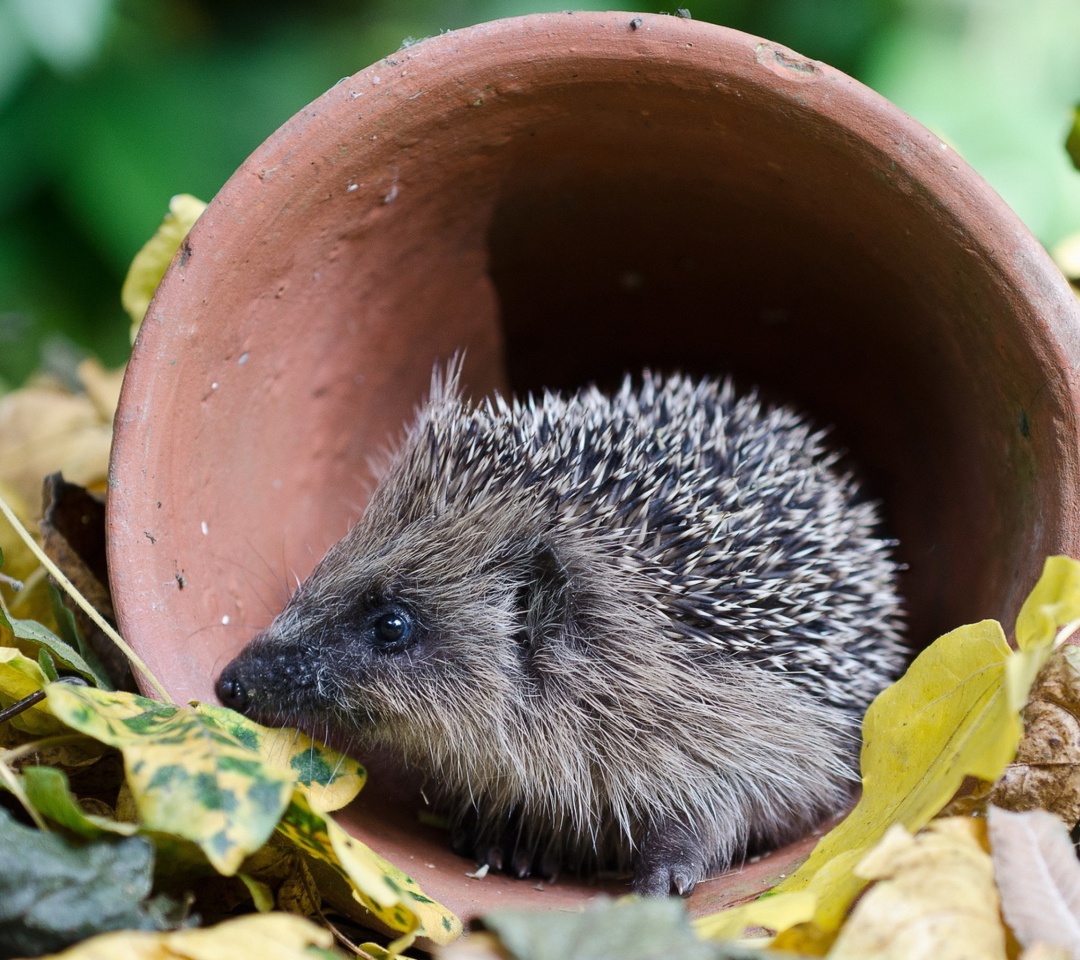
(286, 872)
(1038, 876)
(298, 892)
(73, 536)
(45, 429)
(1046, 772)
(935, 898)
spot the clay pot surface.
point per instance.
(569, 196)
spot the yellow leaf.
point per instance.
(19, 677)
(1049, 614)
(330, 779)
(777, 912)
(953, 714)
(935, 898)
(19, 561)
(261, 895)
(948, 717)
(379, 886)
(267, 936)
(153, 259)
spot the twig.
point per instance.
(69, 587)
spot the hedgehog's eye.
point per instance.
(391, 630)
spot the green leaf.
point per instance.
(72, 636)
(48, 790)
(627, 929)
(54, 893)
(330, 779)
(47, 664)
(187, 774)
(30, 631)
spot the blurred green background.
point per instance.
(109, 107)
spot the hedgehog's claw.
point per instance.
(550, 864)
(492, 857)
(521, 864)
(671, 857)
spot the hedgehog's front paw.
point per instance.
(508, 849)
(672, 859)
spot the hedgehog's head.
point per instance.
(470, 602)
(431, 633)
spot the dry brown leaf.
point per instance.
(19, 561)
(126, 810)
(71, 756)
(44, 429)
(298, 893)
(1038, 876)
(286, 873)
(73, 536)
(935, 898)
(1046, 772)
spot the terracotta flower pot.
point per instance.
(569, 196)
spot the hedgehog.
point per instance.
(629, 633)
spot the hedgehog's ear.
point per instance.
(543, 597)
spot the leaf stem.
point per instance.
(135, 660)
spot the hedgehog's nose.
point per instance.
(231, 690)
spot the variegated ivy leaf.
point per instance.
(380, 887)
(189, 776)
(329, 778)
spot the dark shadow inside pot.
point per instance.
(797, 280)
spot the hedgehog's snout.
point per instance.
(232, 687)
(265, 679)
